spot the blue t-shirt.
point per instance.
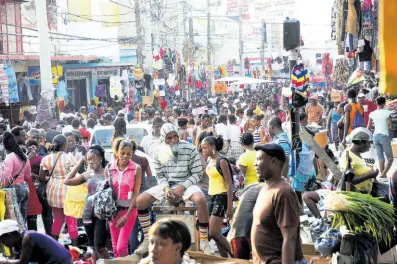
(335, 116)
(283, 140)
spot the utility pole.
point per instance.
(193, 47)
(209, 49)
(184, 20)
(240, 36)
(138, 32)
(148, 36)
(264, 40)
(47, 93)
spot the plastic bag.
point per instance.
(381, 190)
(75, 200)
(317, 228)
(365, 249)
(329, 242)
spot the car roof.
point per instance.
(128, 126)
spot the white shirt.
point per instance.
(379, 117)
(28, 124)
(149, 144)
(66, 129)
(234, 133)
(221, 130)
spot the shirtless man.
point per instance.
(206, 125)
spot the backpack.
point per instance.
(358, 120)
(219, 169)
(105, 206)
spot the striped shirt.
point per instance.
(56, 188)
(186, 169)
(257, 136)
(314, 113)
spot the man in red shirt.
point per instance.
(368, 106)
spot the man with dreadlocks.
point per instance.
(178, 170)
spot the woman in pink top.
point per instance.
(126, 176)
(15, 171)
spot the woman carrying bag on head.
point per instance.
(15, 171)
(126, 178)
(53, 170)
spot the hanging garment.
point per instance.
(171, 79)
(366, 53)
(351, 26)
(100, 91)
(300, 79)
(5, 250)
(62, 92)
(115, 87)
(12, 85)
(3, 85)
(349, 43)
(148, 80)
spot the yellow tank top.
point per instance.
(216, 183)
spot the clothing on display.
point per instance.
(148, 80)
(4, 98)
(12, 85)
(100, 91)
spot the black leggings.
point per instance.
(46, 212)
(96, 233)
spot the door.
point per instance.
(77, 90)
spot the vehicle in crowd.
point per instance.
(103, 136)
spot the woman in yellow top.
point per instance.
(363, 174)
(220, 190)
(247, 159)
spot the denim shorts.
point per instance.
(383, 145)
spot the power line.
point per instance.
(97, 20)
(72, 37)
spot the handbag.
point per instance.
(313, 184)
(15, 177)
(347, 177)
(105, 206)
(42, 188)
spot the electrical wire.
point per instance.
(72, 37)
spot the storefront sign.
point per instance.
(106, 72)
(78, 75)
(34, 75)
(129, 56)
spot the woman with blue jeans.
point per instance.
(381, 120)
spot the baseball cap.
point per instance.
(8, 226)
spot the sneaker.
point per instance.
(206, 248)
(143, 248)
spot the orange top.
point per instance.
(354, 108)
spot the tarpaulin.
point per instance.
(387, 42)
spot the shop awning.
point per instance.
(53, 58)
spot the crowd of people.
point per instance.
(231, 155)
